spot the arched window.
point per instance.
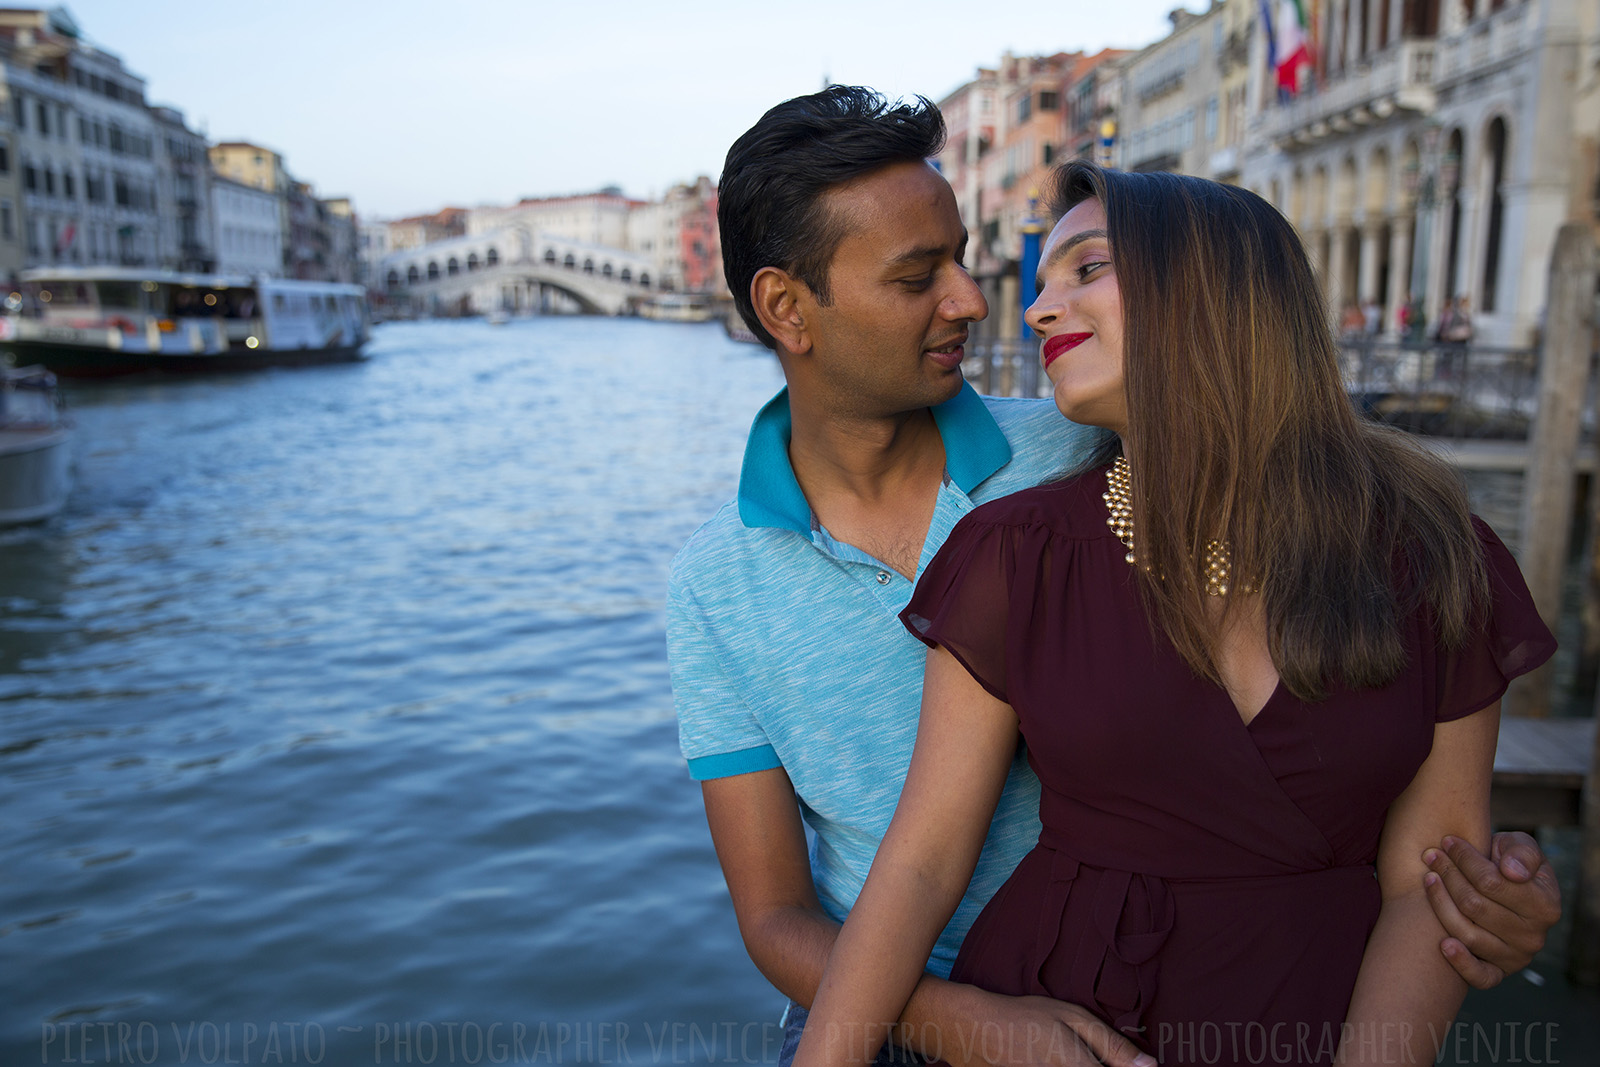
(606, 271)
(472, 261)
(393, 279)
(588, 266)
(433, 271)
(549, 255)
(626, 276)
(453, 267)
(644, 278)
(492, 258)
(569, 262)
(412, 275)
(1497, 211)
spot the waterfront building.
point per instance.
(418, 230)
(249, 228)
(250, 164)
(85, 145)
(599, 218)
(1435, 154)
(344, 254)
(183, 195)
(305, 252)
(678, 234)
(971, 120)
(1171, 109)
(11, 250)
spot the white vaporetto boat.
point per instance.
(101, 321)
(35, 446)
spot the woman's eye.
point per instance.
(1087, 269)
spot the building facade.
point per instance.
(86, 146)
(187, 234)
(1434, 157)
(249, 229)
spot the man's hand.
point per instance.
(1496, 908)
(1004, 1031)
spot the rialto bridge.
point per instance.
(515, 270)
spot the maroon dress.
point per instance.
(1204, 885)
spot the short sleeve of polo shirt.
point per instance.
(717, 732)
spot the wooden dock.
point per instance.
(1539, 769)
(1500, 455)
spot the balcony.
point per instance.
(1398, 79)
(1485, 45)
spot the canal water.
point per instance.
(334, 712)
(335, 722)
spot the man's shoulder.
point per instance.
(721, 549)
(1043, 443)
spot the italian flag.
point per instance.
(1289, 42)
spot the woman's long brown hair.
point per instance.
(1239, 428)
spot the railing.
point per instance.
(1444, 389)
(1401, 75)
(1439, 389)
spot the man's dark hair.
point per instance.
(769, 201)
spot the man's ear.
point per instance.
(777, 297)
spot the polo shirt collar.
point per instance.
(769, 494)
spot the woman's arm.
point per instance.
(966, 741)
(1407, 994)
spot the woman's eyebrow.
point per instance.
(1067, 246)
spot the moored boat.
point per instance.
(102, 321)
(35, 446)
(677, 307)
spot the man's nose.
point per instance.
(966, 301)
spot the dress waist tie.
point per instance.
(1112, 968)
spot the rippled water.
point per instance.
(337, 700)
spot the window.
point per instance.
(19, 111)
(1049, 155)
(1049, 101)
(491, 258)
(68, 186)
(1025, 108)
(1211, 119)
(49, 181)
(42, 114)
(8, 224)
(5, 157)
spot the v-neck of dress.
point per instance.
(1247, 723)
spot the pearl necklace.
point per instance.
(1119, 502)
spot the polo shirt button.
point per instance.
(883, 577)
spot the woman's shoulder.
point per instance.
(1073, 508)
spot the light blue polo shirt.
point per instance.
(786, 649)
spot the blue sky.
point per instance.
(407, 106)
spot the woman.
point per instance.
(1257, 655)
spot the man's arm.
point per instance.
(760, 842)
(1496, 909)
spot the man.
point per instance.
(797, 688)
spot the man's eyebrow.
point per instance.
(1066, 246)
(917, 255)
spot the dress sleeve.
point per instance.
(962, 602)
(1510, 640)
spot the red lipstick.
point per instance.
(1062, 342)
